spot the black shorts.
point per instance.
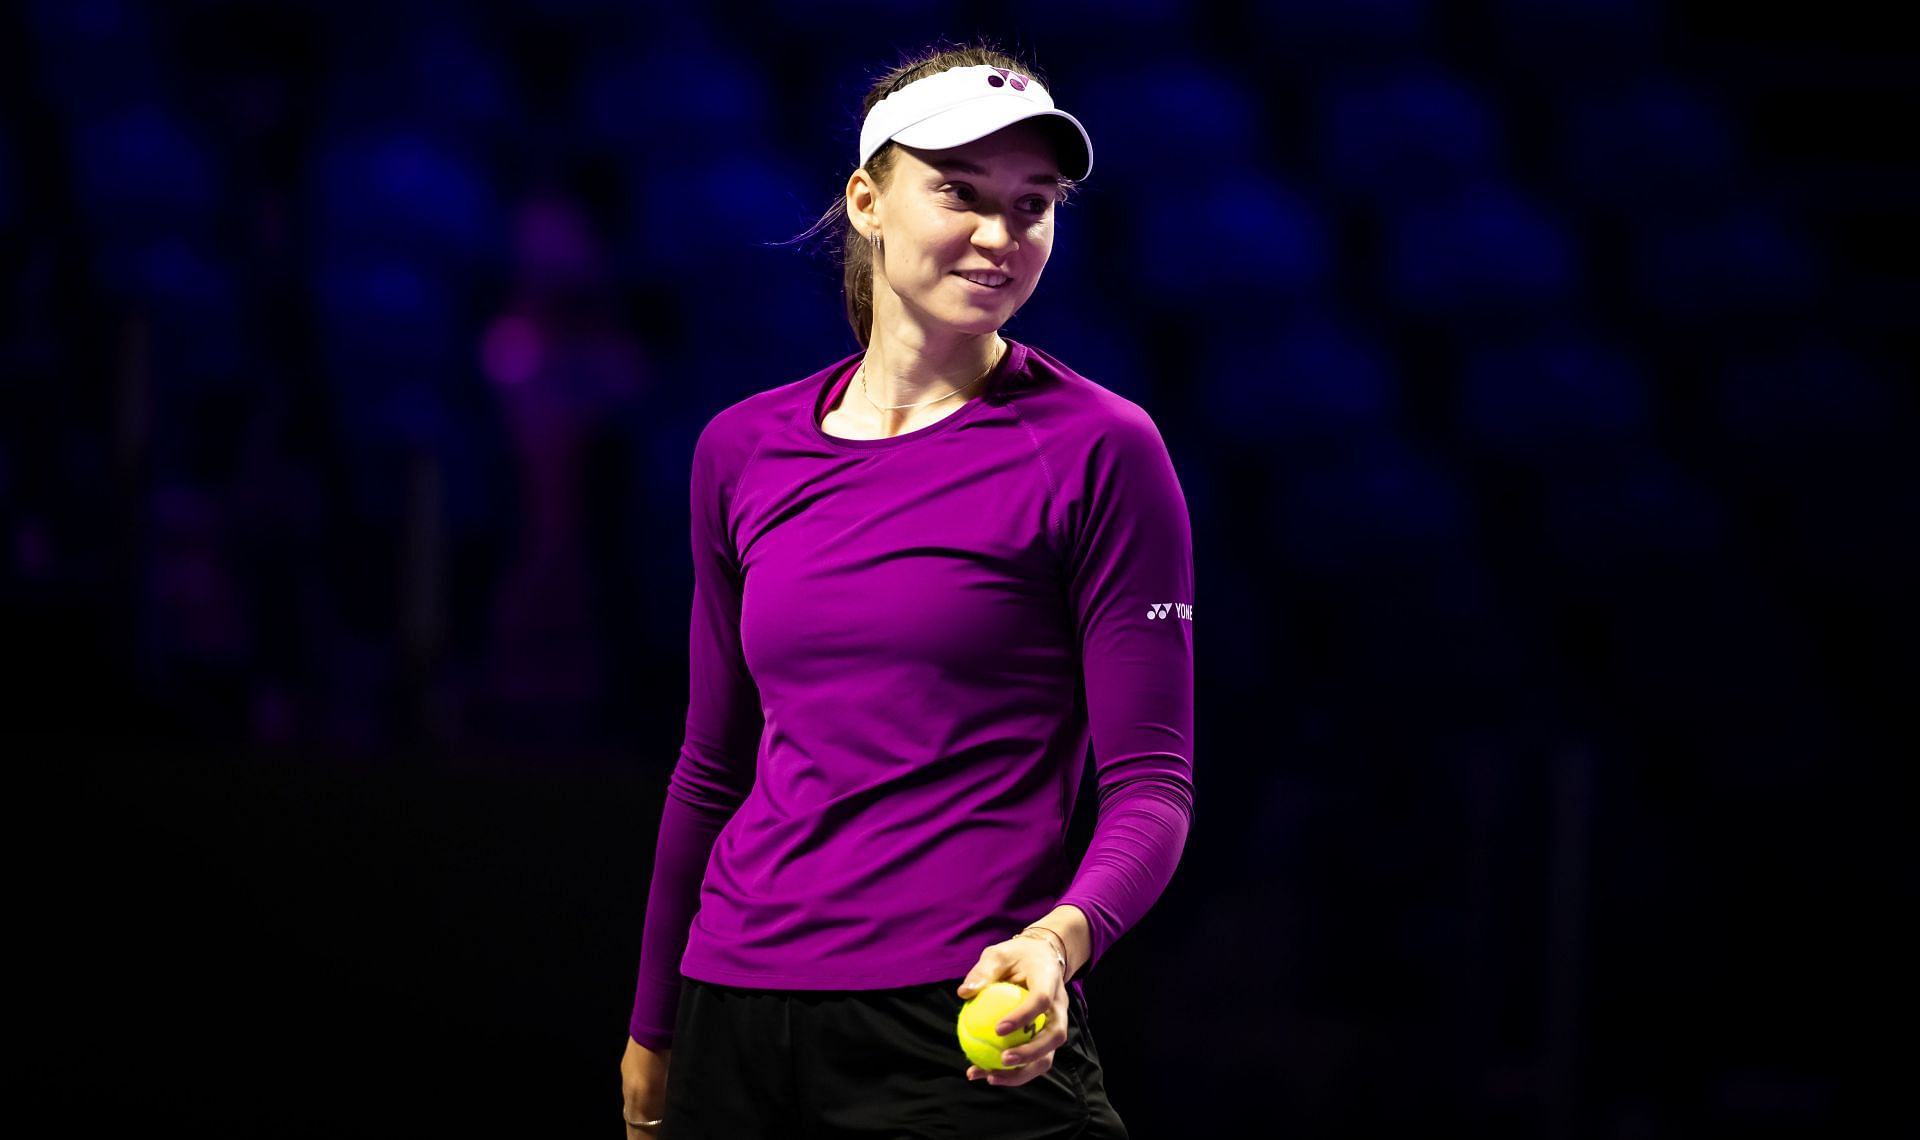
(876, 1063)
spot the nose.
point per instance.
(993, 234)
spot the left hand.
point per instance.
(1031, 963)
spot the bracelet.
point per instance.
(1060, 950)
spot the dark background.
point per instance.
(1538, 375)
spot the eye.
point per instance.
(1037, 205)
(959, 191)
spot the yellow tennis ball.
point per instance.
(982, 1012)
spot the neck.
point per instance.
(903, 365)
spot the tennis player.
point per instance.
(933, 581)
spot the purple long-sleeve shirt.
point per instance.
(899, 650)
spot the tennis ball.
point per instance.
(982, 1012)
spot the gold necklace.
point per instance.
(924, 403)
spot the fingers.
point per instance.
(1011, 1078)
(1052, 1035)
(978, 977)
(994, 965)
(1041, 1047)
(1028, 1012)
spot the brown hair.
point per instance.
(853, 251)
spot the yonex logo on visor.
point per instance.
(962, 104)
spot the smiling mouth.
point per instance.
(985, 279)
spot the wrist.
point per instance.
(1068, 923)
(1054, 941)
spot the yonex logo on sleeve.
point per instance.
(1158, 610)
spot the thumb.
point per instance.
(977, 979)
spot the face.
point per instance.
(966, 230)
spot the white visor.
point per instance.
(967, 103)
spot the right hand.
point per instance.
(643, 1086)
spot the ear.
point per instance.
(863, 203)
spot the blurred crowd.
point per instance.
(1538, 384)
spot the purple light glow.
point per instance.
(511, 351)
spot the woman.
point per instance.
(926, 578)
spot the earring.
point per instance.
(873, 239)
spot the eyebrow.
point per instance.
(961, 166)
